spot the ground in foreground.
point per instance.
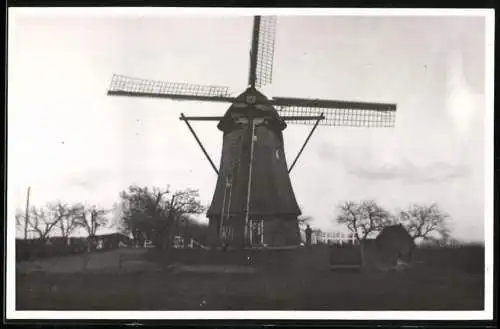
(419, 289)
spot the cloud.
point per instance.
(411, 173)
(342, 152)
(414, 164)
(90, 179)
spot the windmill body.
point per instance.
(254, 203)
(273, 209)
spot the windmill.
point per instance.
(254, 203)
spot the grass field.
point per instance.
(451, 280)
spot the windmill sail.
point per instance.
(338, 113)
(127, 86)
(265, 52)
(262, 51)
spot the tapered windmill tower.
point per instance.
(254, 203)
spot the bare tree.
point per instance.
(142, 209)
(91, 218)
(364, 218)
(42, 222)
(67, 216)
(180, 204)
(425, 221)
(157, 213)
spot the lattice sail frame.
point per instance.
(339, 113)
(121, 83)
(265, 52)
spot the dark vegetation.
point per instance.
(467, 258)
(32, 249)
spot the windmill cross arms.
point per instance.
(284, 117)
(133, 87)
(337, 113)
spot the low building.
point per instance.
(112, 240)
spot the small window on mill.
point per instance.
(277, 153)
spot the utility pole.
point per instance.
(27, 214)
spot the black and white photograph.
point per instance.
(249, 163)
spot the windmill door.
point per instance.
(257, 231)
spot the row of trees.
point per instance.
(62, 217)
(159, 215)
(146, 214)
(422, 221)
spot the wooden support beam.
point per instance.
(201, 118)
(305, 143)
(199, 143)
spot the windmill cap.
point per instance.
(261, 105)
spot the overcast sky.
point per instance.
(69, 141)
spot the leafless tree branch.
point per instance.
(422, 221)
(362, 219)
